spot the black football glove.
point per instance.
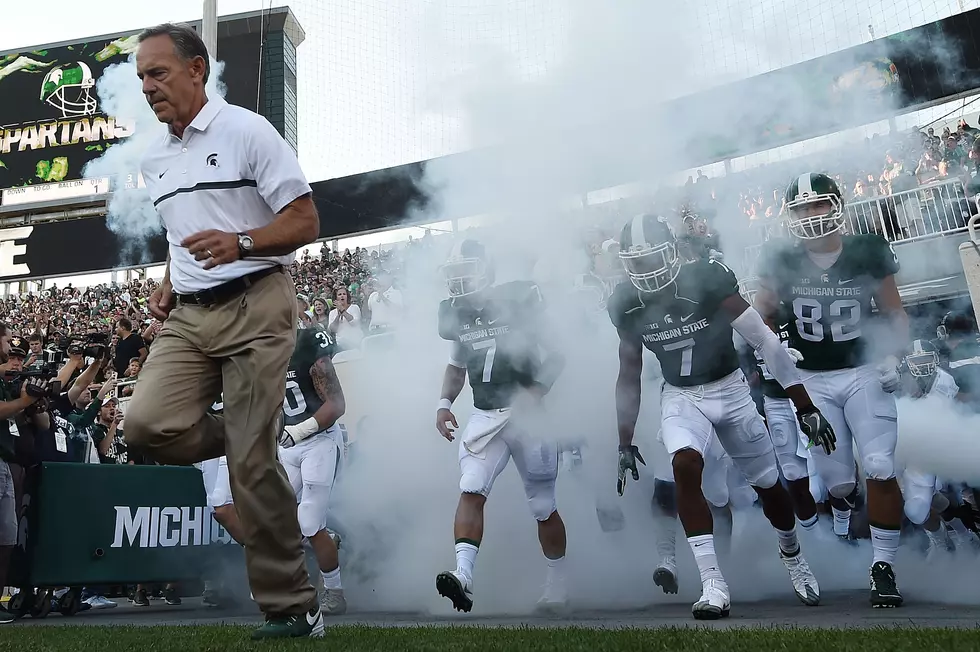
(628, 456)
(818, 430)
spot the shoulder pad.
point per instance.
(876, 252)
(523, 292)
(315, 342)
(624, 298)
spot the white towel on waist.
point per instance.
(482, 427)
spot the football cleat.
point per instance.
(715, 601)
(884, 589)
(666, 576)
(457, 587)
(804, 583)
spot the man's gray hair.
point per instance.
(188, 44)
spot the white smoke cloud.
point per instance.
(940, 437)
(398, 497)
(130, 213)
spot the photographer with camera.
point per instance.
(75, 410)
(15, 399)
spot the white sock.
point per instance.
(556, 569)
(466, 558)
(885, 544)
(666, 533)
(936, 538)
(842, 522)
(703, 547)
(810, 522)
(331, 579)
(788, 543)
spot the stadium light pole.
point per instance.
(209, 27)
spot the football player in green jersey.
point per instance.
(311, 449)
(827, 281)
(686, 313)
(499, 341)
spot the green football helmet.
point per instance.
(815, 206)
(68, 89)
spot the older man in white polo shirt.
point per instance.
(236, 206)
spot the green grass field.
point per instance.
(484, 639)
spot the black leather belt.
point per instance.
(226, 291)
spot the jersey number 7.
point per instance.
(491, 347)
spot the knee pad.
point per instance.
(842, 491)
(761, 472)
(665, 495)
(311, 513)
(793, 467)
(714, 485)
(879, 466)
(940, 503)
(766, 480)
(473, 483)
(917, 507)
(541, 499)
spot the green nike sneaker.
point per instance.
(309, 624)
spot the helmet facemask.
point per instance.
(465, 276)
(806, 223)
(922, 364)
(651, 268)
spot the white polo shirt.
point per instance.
(231, 171)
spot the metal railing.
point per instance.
(930, 210)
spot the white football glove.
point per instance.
(796, 355)
(888, 374)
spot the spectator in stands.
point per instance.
(385, 305)
(107, 436)
(35, 357)
(320, 312)
(129, 346)
(344, 320)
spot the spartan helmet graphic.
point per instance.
(68, 88)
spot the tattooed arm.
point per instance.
(331, 393)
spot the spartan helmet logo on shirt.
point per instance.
(68, 89)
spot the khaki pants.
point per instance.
(241, 346)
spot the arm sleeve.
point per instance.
(751, 327)
(273, 163)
